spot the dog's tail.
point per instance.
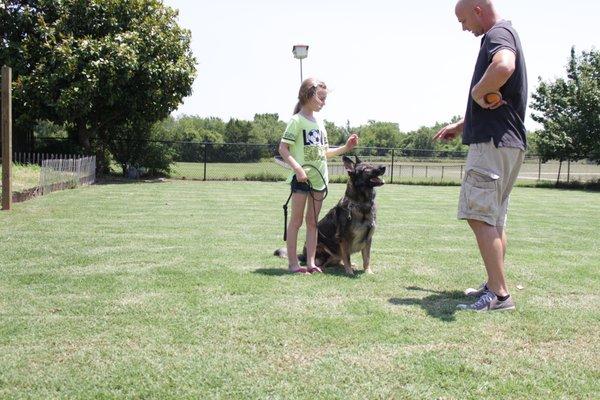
(282, 252)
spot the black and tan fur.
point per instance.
(349, 226)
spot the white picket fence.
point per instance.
(58, 174)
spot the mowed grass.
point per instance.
(170, 290)
(404, 171)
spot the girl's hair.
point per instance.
(307, 90)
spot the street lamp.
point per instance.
(300, 51)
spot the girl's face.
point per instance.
(317, 102)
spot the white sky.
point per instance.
(386, 60)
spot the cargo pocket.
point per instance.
(481, 192)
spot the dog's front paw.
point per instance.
(369, 271)
(349, 271)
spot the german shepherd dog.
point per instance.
(349, 226)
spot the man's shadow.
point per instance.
(441, 305)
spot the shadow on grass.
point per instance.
(441, 305)
(328, 271)
(119, 180)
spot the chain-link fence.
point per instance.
(234, 161)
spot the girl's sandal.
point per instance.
(300, 270)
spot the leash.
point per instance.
(311, 192)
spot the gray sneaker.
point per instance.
(471, 292)
(489, 302)
(497, 305)
(482, 304)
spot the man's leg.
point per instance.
(476, 292)
(492, 246)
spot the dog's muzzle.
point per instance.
(377, 180)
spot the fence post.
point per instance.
(6, 130)
(568, 170)
(461, 172)
(442, 173)
(205, 155)
(392, 172)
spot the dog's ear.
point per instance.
(357, 160)
(348, 164)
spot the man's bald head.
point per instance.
(474, 3)
(476, 16)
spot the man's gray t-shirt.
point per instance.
(505, 125)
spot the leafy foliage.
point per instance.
(105, 70)
(569, 110)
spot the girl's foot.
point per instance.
(314, 270)
(298, 270)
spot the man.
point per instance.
(495, 133)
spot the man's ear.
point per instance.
(348, 164)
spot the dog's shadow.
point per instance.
(440, 304)
(333, 271)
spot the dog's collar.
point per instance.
(349, 204)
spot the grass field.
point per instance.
(404, 171)
(170, 290)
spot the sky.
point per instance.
(407, 62)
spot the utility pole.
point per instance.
(6, 90)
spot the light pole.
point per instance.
(300, 51)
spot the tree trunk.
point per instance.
(558, 176)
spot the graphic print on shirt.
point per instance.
(314, 149)
(312, 138)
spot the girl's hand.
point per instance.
(352, 141)
(301, 175)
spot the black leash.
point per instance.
(285, 206)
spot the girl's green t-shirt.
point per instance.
(308, 145)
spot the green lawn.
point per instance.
(170, 290)
(404, 171)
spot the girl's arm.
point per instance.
(284, 151)
(350, 144)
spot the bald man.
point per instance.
(493, 129)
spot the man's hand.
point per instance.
(449, 132)
(484, 100)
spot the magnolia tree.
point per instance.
(105, 70)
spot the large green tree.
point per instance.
(106, 70)
(569, 111)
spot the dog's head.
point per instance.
(363, 175)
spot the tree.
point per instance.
(569, 111)
(267, 128)
(380, 134)
(335, 135)
(106, 70)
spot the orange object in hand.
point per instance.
(492, 98)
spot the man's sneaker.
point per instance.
(482, 304)
(489, 302)
(471, 292)
(497, 305)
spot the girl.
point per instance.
(305, 148)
